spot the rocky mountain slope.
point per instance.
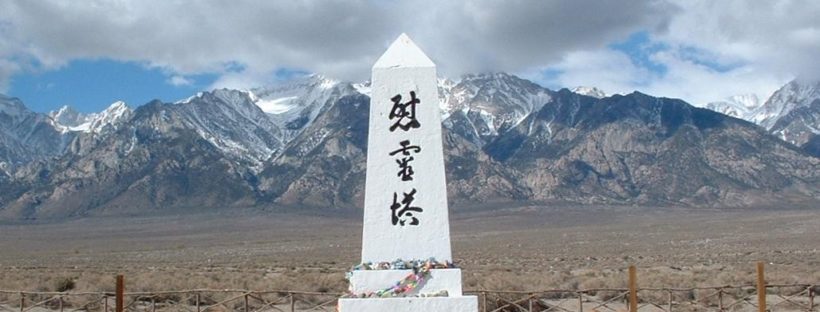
(294, 105)
(163, 158)
(790, 113)
(483, 106)
(303, 144)
(26, 136)
(638, 148)
(793, 95)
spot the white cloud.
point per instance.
(700, 84)
(713, 50)
(761, 43)
(337, 38)
(486, 35)
(609, 70)
(7, 69)
(185, 38)
(778, 37)
(614, 72)
(243, 80)
(177, 81)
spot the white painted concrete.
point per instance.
(438, 280)
(410, 304)
(419, 235)
(403, 53)
(404, 68)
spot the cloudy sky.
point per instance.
(91, 53)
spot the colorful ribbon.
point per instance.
(421, 271)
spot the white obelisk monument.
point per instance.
(405, 212)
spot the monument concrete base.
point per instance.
(410, 304)
(439, 280)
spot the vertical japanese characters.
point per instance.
(403, 118)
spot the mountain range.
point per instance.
(303, 144)
(791, 113)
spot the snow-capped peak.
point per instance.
(749, 101)
(794, 94)
(326, 83)
(590, 91)
(293, 105)
(497, 93)
(738, 106)
(492, 102)
(67, 116)
(113, 115)
(66, 119)
(284, 98)
(363, 87)
(190, 98)
(445, 84)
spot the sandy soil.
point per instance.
(520, 248)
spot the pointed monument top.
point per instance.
(403, 53)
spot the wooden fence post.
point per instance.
(761, 288)
(22, 301)
(529, 302)
(246, 303)
(580, 302)
(292, 303)
(120, 305)
(484, 301)
(811, 298)
(633, 289)
(720, 300)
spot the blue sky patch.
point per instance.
(640, 48)
(92, 85)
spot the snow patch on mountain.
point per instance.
(492, 103)
(445, 87)
(294, 105)
(26, 135)
(793, 95)
(276, 106)
(232, 122)
(590, 91)
(792, 113)
(190, 98)
(363, 88)
(66, 119)
(738, 106)
(255, 124)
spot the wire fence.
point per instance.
(196, 300)
(760, 297)
(792, 297)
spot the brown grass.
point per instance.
(522, 250)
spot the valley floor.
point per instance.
(522, 248)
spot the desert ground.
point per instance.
(511, 248)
